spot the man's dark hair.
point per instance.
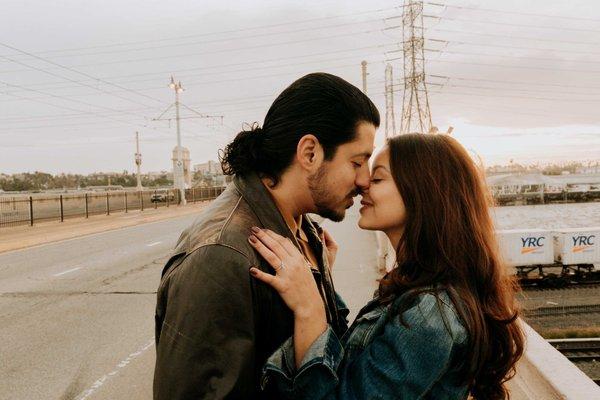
(320, 104)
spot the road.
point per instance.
(76, 317)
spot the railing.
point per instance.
(29, 209)
(544, 373)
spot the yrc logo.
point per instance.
(583, 243)
(532, 244)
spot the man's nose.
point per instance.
(363, 178)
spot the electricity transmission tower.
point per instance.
(416, 116)
(390, 119)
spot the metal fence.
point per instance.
(27, 210)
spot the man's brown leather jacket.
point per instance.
(215, 324)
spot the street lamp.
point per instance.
(178, 173)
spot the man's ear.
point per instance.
(309, 152)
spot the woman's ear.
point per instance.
(309, 153)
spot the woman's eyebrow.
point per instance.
(377, 167)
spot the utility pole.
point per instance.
(138, 161)
(390, 119)
(363, 65)
(416, 116)
(178, 179)
(178, 168)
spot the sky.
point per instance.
(516, 80)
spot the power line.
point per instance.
(513, 82)
(513, 24)
(229, 80)
(74, 109)
(219, 72)
(232, 39)
(521, 90)
(220, 51)
(61, 98)
(224, 31)
(527, 14)
(521, 47)
(445, 51)
(512, 111)
(508, 66)
(555, 99)
(71, 70)
(63, 77)
(218, 102)
(436, 29)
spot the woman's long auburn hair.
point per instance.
(449, 241)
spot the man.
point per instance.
(215, 324)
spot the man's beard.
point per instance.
(324, 200)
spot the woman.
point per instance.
(443, 324)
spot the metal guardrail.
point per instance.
(28, 209)
(544, 373)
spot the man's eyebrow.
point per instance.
(365, 154)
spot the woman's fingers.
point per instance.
(265, 252)
(266, 278)
(271, 242)
(283, 242)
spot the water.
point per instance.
(548, 216)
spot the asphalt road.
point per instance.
(77, 316)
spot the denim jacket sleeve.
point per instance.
(402, 362)
(342, 308)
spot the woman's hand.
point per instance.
(331, 246)
(293, 277)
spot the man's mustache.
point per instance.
(355, 192)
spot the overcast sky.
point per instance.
(516, 79)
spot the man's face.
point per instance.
(340, 179)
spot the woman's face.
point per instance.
(382, 206)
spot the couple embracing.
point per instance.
(247, 308)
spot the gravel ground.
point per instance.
(575, 321)
(531, 299)
(590, 368)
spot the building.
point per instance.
(158, 174)
(185, 154)
(209, 167)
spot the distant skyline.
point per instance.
(517, 80)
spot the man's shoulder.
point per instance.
(224, 225)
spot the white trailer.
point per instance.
(579, 246)
(525, 247)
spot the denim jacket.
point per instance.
(379, 357)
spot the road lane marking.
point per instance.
(89, 235)
(67, 271)
(122, 364)
(153, 244)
